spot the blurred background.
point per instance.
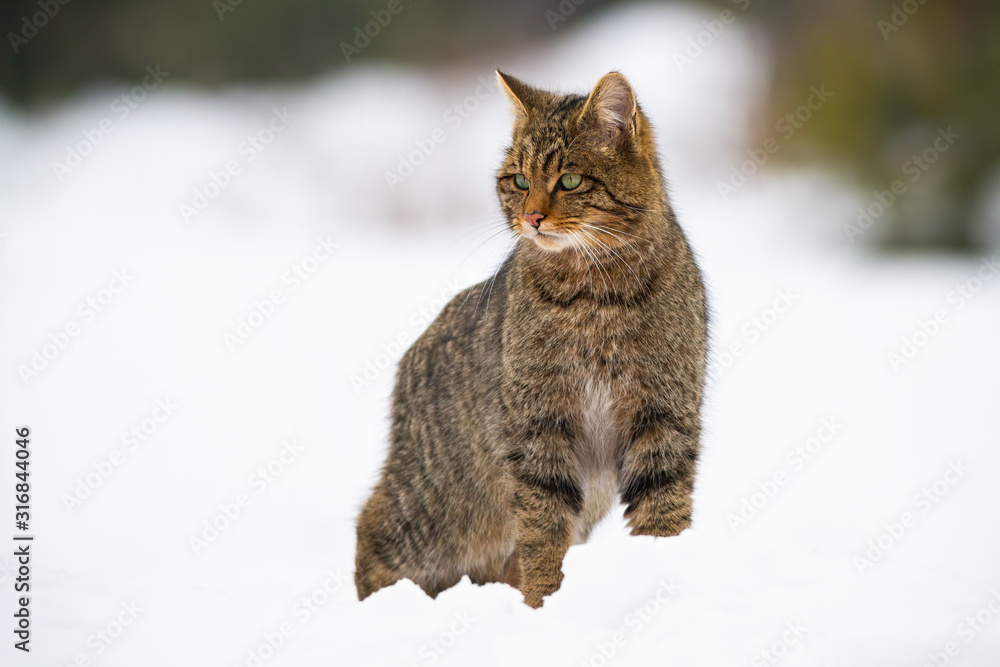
(249, 209)
(900, 72)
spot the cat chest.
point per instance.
(596, 447)
(598, 431)
(595, 343)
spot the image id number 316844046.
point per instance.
(22, 541)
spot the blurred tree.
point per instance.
(900, 71)
(51, 49)
(905, 74)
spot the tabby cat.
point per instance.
(516, 425)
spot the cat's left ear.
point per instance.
(610, 112)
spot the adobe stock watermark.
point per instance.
(223, 7)
(922, 502)
(121, 108)
(566, 9)
(912, 169)
(248, 150)
(264, 308)
(635, 620)
(751, 332)
(927, 329)
(257, 483)
(30, 25)
(899, 16)
(107, 635)
(773, 654)
(87, 311)
(434, 648)
(712, 30)
(393, 349)
(363, 35)
(303, 611)
(453, 118)
(786, 127)
(131, 440)
(795, 462)
(968, 629)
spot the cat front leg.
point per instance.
(657, 469)
(547, 500)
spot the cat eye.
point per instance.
(521, 181)
(570, 181)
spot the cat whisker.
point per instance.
(624, 244)
(614, 255)
(604, 230)
(577, 248)
(596, 238)
(488, 239)
(499, 266)
(610, 232)
(601, 270)
(479, 229)
(488, 289)
(635, 208)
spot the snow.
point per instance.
(815, 379)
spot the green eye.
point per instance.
(570, 181)
(521, 181)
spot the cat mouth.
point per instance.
(548, 240)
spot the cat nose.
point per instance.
(534, 219)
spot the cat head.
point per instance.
(581, 170)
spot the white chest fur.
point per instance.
(597, 470)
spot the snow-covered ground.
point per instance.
(232, 367)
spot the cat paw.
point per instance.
(537, 591)
(533, 600)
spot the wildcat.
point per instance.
(515, 426)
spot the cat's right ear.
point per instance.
(521, 95)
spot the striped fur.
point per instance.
(515, 423)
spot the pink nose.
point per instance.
(534, 219)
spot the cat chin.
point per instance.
(550, 242)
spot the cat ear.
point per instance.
(610, 111)
(523, 96)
